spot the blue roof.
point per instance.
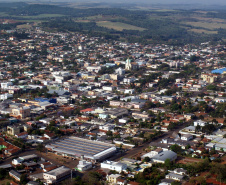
(222, 70)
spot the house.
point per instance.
(107, 127)
(186, 137)
(200, 123)
(87, 111)
(180, 171)
(188, 116)
(49, 135)
(8, 148)
(112, 179)
(22, 135)
(174, 176)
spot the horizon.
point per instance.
(161, 2)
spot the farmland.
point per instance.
(155, 25)
(118, 26)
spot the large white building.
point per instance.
(111, 165)
(161, 157)
(76, 147)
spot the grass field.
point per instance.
(118, 26)
(41, 16)
(207, 25)
(203, 31)
(3, 14)
(23, 26)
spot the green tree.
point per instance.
(3, 173)
(146, 159)
(23, 179)
(176, 148)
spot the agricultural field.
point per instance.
(40, 16)
(24, 26)
(207, 25)
(118, 26)
(203, 31)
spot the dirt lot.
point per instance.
(59, 160)
(187, 160)
(5, 181)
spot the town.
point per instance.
(77, 109)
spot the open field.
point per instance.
(23, 26)
(186, 160)
(3, 14)
(118, 26)
(41, 16)
(203, 31)
(209, 20)
(207, 25)
(5, 181)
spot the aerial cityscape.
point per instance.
(115, 93)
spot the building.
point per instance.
(14, 174)
(174, 176)
(111, 165)
(12, 130)
(152, 153)
(128, 65)
(113, 178)
(21, 112)
(75, 147)
(8, 148)
(161, 157)
(57, 175)
(220, 71)
(84, 165)
(187, 137)
(200, 123)
(22, 159)
(209, 78)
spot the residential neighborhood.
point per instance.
(86, 110)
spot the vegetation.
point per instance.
(114, 23)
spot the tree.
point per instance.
(175, 183)
(109, 133)
(176, 148)
(23, 179)
(3, 173)
(40, 147)
(197, 128)
(146, 159)
(168, 163)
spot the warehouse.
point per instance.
(161, 157)
(76, 147)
